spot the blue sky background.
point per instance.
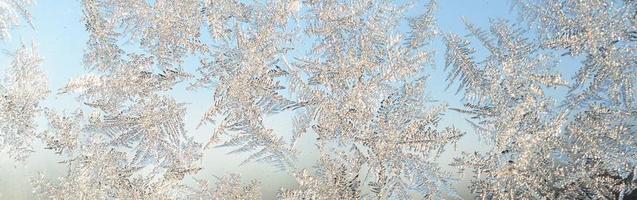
(60, 36)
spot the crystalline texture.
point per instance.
(24, 88)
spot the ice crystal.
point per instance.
(23, 90)
(98, 171)
(334, 180)
(10, 13)
(228, 187)
(244, 71)
(542, 149)
(364, 98)
(127, 91)
(353, 75)
(133, 145)
(604, 32)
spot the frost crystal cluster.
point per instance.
(363, 94)
(352, 75)
(244, 70)
(583, 146)
(11, 13)
(23, 88)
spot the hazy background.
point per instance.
(60, 36)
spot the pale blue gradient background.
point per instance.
(60, 36)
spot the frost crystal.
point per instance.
(353, 75)
(583, 147)
(364, 99)
(133, 145)
(245, 70)
(24, 88)
(228, 187)
(10, 13)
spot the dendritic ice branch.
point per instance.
(507, 100)
(245, 71)
(99, 171)
(133, 145)
(11, 12)
(364, 98)
(602, 134)
(353, 76)
(228, 187)
(576, 148)
(23, 89)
